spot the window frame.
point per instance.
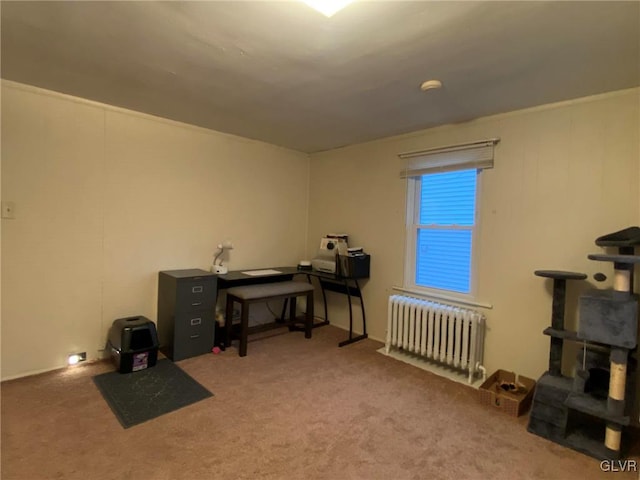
(414, 184)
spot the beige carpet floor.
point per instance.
(292, 409)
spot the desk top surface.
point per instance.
(239, 275)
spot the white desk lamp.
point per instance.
(217, 267)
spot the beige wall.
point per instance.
(105, 198)
(564, 174)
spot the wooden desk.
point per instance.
(345, 285)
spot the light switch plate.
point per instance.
(8, 210)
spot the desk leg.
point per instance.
(282, 318)
(228, 320)
(244, 328)
(364, 318)
(308, 324)
(292, 310)
(324, 301)
(364, 335)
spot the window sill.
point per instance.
(440, 296)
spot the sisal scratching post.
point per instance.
(616, 399)
(618, 378)
(613, 437)
(622, 280)
(618, 360)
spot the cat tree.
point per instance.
(589, 411)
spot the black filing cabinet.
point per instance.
(186, 312)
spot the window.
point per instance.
(442, 230)
(441, 216)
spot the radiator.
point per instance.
(446, 334)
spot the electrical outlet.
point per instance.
(8, 210)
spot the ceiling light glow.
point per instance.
(430, 85)
(327, 7)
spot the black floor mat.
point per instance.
(140, 396)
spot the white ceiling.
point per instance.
(280, 72)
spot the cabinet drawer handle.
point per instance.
(196, 321)
(197, 289)
(195, 336)
(195, 304)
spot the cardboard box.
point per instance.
(507, 392)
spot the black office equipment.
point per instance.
(354, 265)
(186, 309)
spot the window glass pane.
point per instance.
(448, 198)
(443, 259)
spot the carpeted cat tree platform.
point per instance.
(589, 411)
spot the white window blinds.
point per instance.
(476, 155)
